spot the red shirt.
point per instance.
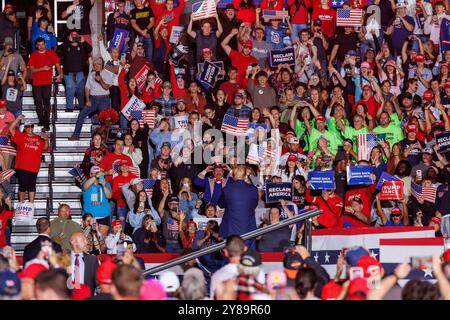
(229, 89)
(4, 217)
(328, 18)
(160, 12)
(107, 163)
(29, 151)
(118, 182)
(372, 107)
(247, 15)
(331, 209)
(299, 16)
(177, 92)
(365, 194)
(5, 121)
(271, 5)
(39, 60)
(241, 62)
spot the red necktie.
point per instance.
(77, 272)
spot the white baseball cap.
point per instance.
(169, 281)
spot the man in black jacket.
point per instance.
(75, 54)
(32, 250)
(83, 266)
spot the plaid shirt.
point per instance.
(244, 112)
(166, 105)
(247, 286)
(277, 83)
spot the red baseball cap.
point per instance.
(32, 271)
(2, 103)
(396, 211)
(365, 262)
(447, 85)
(320, 118)
(331, 291)
(355, 286)
(367, 86)
(105, 271)
(446, 255)
(437, 123)
(116, 223)
(207, 51)
(290, 133)
(420, 57)
(428, 95)
(292, 157)
(411, 127)
(248, 44)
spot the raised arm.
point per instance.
(227, 39)
(219, 27)
(189, 30)
(380, 211)
(13, 125)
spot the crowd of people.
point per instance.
(191, 166)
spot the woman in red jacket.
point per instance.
(178, 84)
(330, 203)
(126, 92)
(152, 88)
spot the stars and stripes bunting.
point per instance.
(6, 174)
(203, 9)
(423, 194)
(366, 142)
(6, 147)
(349, 17)
(234, 126)
(78, 174)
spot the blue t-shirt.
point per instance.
(95, 201)
(400, 33)
(391, 224)
(275, 37)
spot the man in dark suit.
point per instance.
(239, 199)
(83, 266)
(32, 249)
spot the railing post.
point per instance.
(308, 231)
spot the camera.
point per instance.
(76, 39)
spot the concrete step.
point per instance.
(60, 157)
(60, 164)
(58, 188)
(63, 116)
(29, 101)
(84, 142)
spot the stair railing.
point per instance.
(302, 215)
(52, 149)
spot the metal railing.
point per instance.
(302, 215)
(52, 148)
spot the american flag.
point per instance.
(6, 147)
(423, 193)
(275, 14)
(366, 142)
(6, 174)
(78, 174)
(149, 184)
(234, 126)
(349, 18)
(144, 116)
(133, 170)
(258, 152)
(203, 9)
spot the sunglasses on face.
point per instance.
(29, 126)
(396, 215)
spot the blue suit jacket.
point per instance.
(239, 200)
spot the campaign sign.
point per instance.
(24, 211)
(118, 39)
(202, 222)
(321, 180)
(141, 76)
(392, 190)
(134, 104)
(175, 34)
(385, 177)
(357, 175)
(114, 132)
(443, 141)
(278, 191)
(217, 63)
(282, 56)
(209, 75)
